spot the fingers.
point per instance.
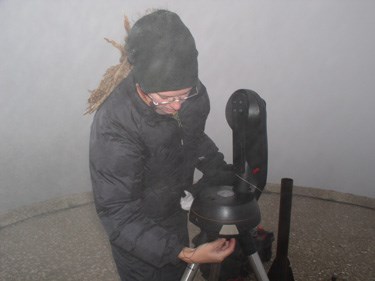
(229, 245)
(224, 247)
(223, 243)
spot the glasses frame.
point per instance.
(192, 93)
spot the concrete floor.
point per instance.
(62, 239)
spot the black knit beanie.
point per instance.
(163, 53)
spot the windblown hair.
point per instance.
(113, 75)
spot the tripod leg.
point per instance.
(214, 272)
(257, 267)
(249, 248)
(190, 272)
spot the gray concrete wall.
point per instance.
(312, 61)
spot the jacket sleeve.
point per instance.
(116, 167)
(212, 165)
(210, 161)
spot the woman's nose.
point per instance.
(176, 105)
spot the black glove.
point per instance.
(223, 176)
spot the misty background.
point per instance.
(312, 61)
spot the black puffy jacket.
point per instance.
(140, 163)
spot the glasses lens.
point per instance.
(193, 92)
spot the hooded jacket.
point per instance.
(140, 164)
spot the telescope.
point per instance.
(233, 211)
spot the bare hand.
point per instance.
(212, 252)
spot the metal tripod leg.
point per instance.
(257, 266)
(190, 272)
(254, 260)
(192, 269)
(248, 246)
(214, 272)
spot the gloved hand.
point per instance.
(186, 201)
(223, 176)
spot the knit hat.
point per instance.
(163, 53)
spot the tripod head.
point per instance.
(217, 208)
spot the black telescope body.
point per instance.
(219, 206)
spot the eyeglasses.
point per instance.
(167, 100)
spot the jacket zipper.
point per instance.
(177, 118)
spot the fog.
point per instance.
(312, 61)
